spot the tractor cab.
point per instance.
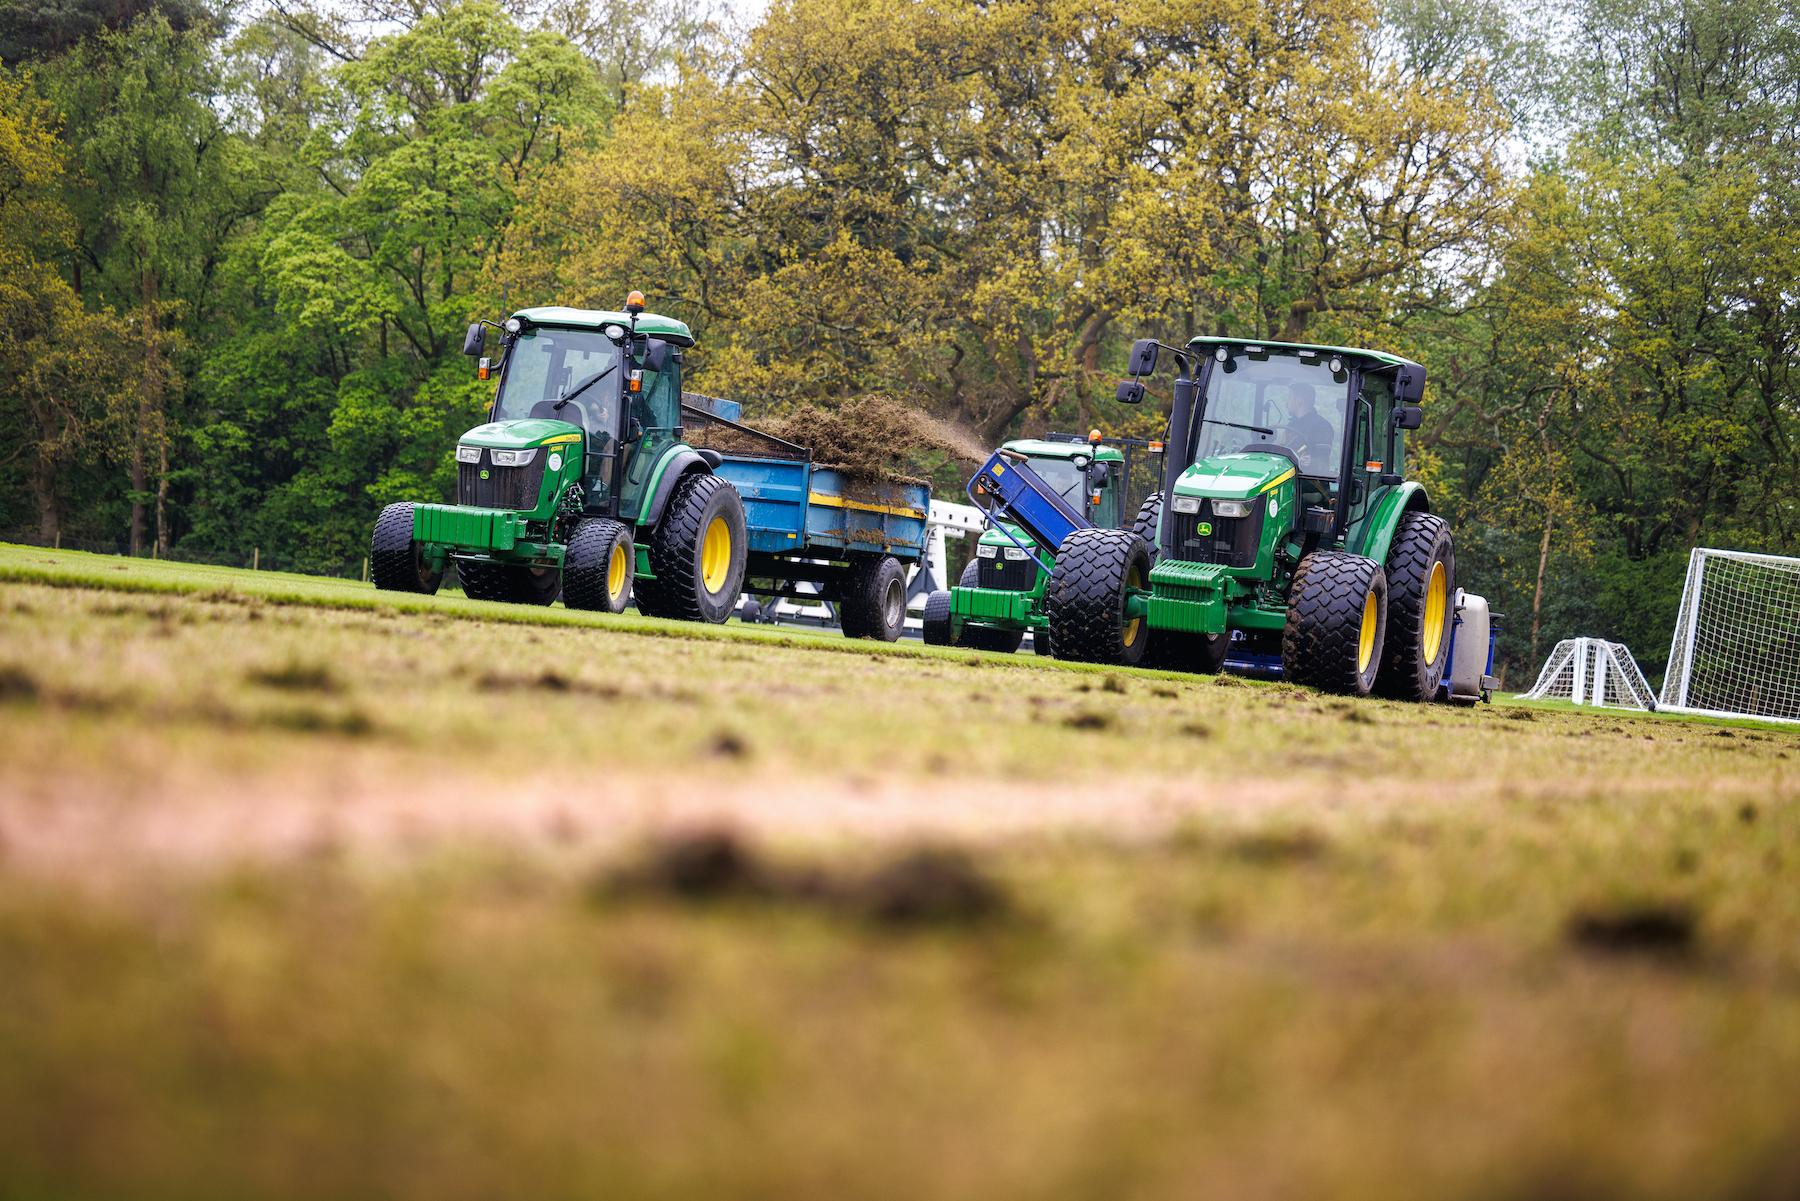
(602, 385)
(1329, 419)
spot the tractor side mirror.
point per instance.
(1408, 417)
(476, 340)
(1130, 392)
(1097, 475)
(1143, 357)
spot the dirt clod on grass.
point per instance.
(1661, 929)
(873, 438)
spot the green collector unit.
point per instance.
(1000, 596)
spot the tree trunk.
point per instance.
(162, 497)
(43, 486)
(1537, 600)
(149, 409)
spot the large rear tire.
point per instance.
(599, 566)
(698, 557)
(1149, 516)
(1096, 571)
(1421, 574)
(874, 604)
(396, 562)
(1337, 620)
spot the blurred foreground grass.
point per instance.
(1242, 940)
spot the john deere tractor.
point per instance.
(1000, 596)
(1285, 523)
(580, 483)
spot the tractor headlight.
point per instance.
(986, 552)
(513, 458)
(1185, 504)
(1230, 508)
(468, 454)
(1014, 553)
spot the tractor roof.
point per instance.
(654, 324)
(1037, 448)
(1379, 356)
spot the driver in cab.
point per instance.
(1308, 434)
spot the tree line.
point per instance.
(241, 246)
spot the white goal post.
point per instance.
(1592, 671)
(1736, 650)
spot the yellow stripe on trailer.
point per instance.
(838, 502)
(1277, 481)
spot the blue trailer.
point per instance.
(850, 540)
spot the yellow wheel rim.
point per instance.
(1437, 599)
(715, 555)
(1133, 579)
(615, 570)
(1365, 648)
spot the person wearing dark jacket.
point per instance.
(1309, 435)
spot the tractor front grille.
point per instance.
(503, 487)
(1233, 541)
(1012, 575)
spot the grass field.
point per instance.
(308, 890)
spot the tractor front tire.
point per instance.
(396, 562)
(985, 638)
(874, 604)
(698, 558)
(519, 584)
(1337, 619)
(937, 618)
(1183, 650)
(599, 566)
(1421, 574)
(1096, 571)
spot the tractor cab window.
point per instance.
(1070, 483)
(548, 365)
(1296, 397)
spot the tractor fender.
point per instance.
(662, 486)
(1384, 514)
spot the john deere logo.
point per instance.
(484, 474)
(1205, 526)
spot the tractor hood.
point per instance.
(517, 435)
(1234, 477)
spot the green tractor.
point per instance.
(1000, 596)
(1285, 524)
(580, 484)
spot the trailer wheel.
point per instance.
(1096, 571)
(1336, 623)
(1183, 650)
(1421, 574)
(396, 562)
(599, 566)
(698, 557)
(874, 604)
(937, 618)
(1149, 516)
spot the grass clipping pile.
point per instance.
(873, 438)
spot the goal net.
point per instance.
(1592, 671)
(1736, 650)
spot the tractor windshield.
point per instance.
(1263, 400)
(1070, 483)
(549, 364)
